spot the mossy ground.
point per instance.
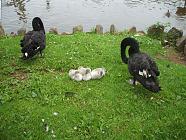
(109, 108)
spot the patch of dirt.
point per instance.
(172, 55)
(19, 74)
(13, 64)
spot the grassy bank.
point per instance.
(110, 108)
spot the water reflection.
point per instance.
(64, 14)
(19, 8)
(132, 3)
(47, 4)
(101, 2)
(98, 1)
(167, 3)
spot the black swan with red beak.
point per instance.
(140, 65)
(33, 41)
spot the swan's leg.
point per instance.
(40, 53)
(133, 81)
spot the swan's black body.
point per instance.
(34, 41)
(140, 65)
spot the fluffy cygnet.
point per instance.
(85, 73)
(72, 72)
(78, 77)
(82, 70)
(75, 75)
(87, 76)
(98, 73)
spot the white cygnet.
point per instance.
(72, 72)
(98, 73)
(78, 77)
(82, 70)
(75, 75)
(87, 76)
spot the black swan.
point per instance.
(34, 41)
(140, 65)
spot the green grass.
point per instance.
(109, 108)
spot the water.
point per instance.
(0, 10)
(64, 14)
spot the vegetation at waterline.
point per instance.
(39, 101)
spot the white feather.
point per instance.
(145, 73)
(26, 54)
(140, 73)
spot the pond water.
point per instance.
(64, 14)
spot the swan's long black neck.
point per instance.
(134, 48)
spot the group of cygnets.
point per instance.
(86, 74)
